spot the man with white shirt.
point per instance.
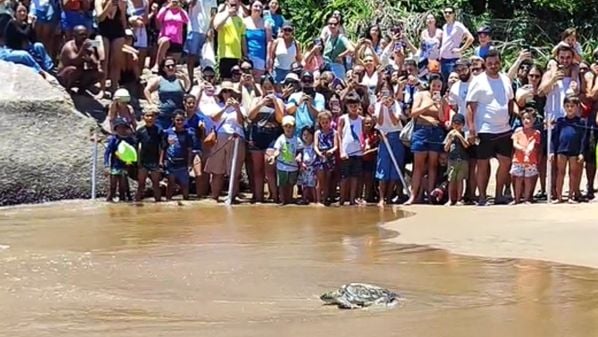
(458, 103)
(489, 106)
(453, 34)
(201, 13)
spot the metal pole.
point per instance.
(94, 165)
(548, 161)
(233, 171)
(395, 163)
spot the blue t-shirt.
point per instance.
(303, 117)
(177, 145)
(482, 51)
(110, 158)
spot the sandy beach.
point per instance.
(558, 233)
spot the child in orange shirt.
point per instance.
(524, 168)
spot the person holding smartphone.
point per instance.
(428, 135)
(199, 30)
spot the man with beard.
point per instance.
(489, 106)
(458, 103)
(555, 83)
(79, 65)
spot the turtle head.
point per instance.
(330, 297)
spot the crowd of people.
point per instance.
(333, 121)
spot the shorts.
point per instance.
(352, 167)
(286, 178)
(258, 62)
(385, 168)
(175, 48)
(280, 75)
(194, 43)
(307, 177)
(180, 174)
(225, 65)
(524, 170)
(71, 19)
(427, 138)
(458, 170)
(150, 167)
(48, 14)
(118, 172)
(369, 166)
(220, 160)
(492, 145)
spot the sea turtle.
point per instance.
(359, 295)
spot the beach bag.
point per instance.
(212, 137)
(208, 57)
(407, 133)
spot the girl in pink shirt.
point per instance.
(172, 20)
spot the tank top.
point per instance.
(285, 56)
(554, 99)
(371, 82)
(256, 42)
(352, 135)
(430, 46)
(112, 27)
(170, 93)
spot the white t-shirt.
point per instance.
(452, 36)
(199, 15)
(387, 126)
(493, 97)
(288, 149)
(458, 97)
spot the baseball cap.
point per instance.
(462, 62)
(485, 30)
(458, 119)
(288, 120)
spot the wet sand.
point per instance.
(90, 269)
(559, 233)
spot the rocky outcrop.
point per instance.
(45, 147)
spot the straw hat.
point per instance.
(227, 85)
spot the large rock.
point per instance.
(45, 147)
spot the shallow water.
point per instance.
(159, 270)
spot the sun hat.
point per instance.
(291, 77)
(122, 95)
(227, 85)
(288, 120)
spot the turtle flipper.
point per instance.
(343, 303)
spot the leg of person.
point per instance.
(21, 57)
(529, 181)
(356, 173)
(419, 166)
(590, 176)
(258, 162)
(155, 178)
(432, 170)
(502, 176)
(163, 45)
(270, 172)
(47, 63)
(575, 170)
(471, 181)
(122, 188)
(112, 189)
(116, 60)
(452, 170)
(198, 173)
(171, 186)
(69, 76)
(141, 178)
(561, 163)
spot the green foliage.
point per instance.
(515, 23)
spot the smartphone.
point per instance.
(309, 91)
(213, 11)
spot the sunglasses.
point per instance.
(287, 30)
(246, 70)
(226, 91)
(533, 76)
(333, 24)
(287, 126)
(448, 12)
